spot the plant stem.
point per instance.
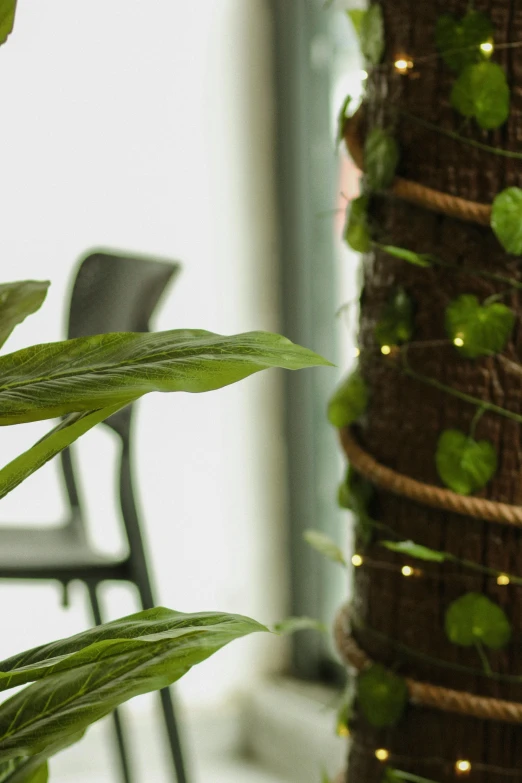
(476, 418)
(484, 658)
(409, 777)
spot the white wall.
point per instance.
(147, 125)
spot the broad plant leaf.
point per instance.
(17, 301)
(414, 550)
(396, 324)
(39, 775)
(349, 401)
(54, 379)
(325, 546)
(341, 120)
(357, 229)
(294, 624)
(464, 464)
(371, 34)
(458, 41)
(356, 17)
(481, 91)
(381, 157)
(7, 17)
(474, 619)
(59, 438)
(382, 696)
(417, 259)
(483, 329)
(85, 677)
(506, 220)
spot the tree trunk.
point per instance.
(405, 416)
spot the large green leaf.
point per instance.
(464, 464)
(478, 330)
(75, 425)
(371, 34)
(381, 156)
(382, 696)
(357, 229)
(459, 41)
(17, 301)
(396, 323)
(474, 619)
(481, 91)
(87, 676)
(349, 401)
(7, 17)
(506, 219)
(87, 373)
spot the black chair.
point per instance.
(111, 293)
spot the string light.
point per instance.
(458, 341)
(386, 349)
(356, 352)
(487, 47)
(402, 65)
(503, 579)
(382, 754)
(407, 570)
(357, 561)
(462, 767)
(364, 75)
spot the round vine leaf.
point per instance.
(357, 230)
(481, 91)
(464, 464)
(475, 619)
(381, 156)
(396, 325)
(417, 259)
(506, 220)
(371, 34)
(415, 550)
(349, 401)
(458, 41)
(382, 696)
(483, 330)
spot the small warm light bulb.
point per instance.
(487, 47)
(385, 349)
(357, 561)
(382, 754)
(503, 579)
(356, 352)
(458, 341)
(462, 767)
(407, 571)
(343, 730)
(364, 75)
(403, 65)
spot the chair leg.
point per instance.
(167, 704)
(116, 715)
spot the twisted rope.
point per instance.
(414, 192)
(429, 495)
(425, 693)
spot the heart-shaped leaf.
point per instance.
(7, 17)
(17, 301)
(414, 550)
(506, 220)
(417, 259)
(357, 229)
(464, 464)
(478, 330)
(481, 91)
(381, 156)
(371, 34)
(382, 696)
(349, 401)
(474, 619)
(459, 41)
(396, 325)
(325, 546)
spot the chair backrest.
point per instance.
(113, 292)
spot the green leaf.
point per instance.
(7, 17)
(398, 776)
(325, 778)
(357, 229)
(506, 220)
(481, 91)
(459, 41)
(474, 619)
(294, 624)
(341, 120)
(359, 495)
(325, 546)
(87, 676)
(483, 330)
(356, 16)
(381, 157)
(75, 425)
(396, 325)
(51, 380)
(417, 551)
(464, 464)
(40, 775)
(349, 401)
(17, 301)
(382, 696)
(372, 34)
(416, 259)
(344, 714)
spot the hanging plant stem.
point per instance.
(484, 658)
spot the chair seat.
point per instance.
(54, 552)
